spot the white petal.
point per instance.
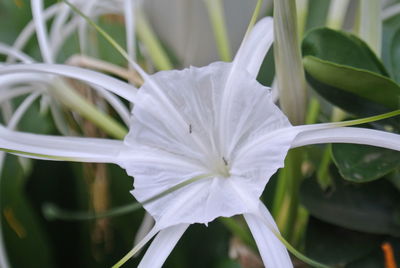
(10, 51)
(29, 29)
(41, 32)
(254, 48)
(349, 135)
(273, 252)
(116, 86)
(60, 148)
(144, 228)
(162, 246)
(129, 8)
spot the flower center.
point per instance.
(221, 167)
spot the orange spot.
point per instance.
(14, 223)
(390, 261)
(19, 3)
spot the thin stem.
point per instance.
(238, 230)
(370, 23)
(75, 102)
(217, 17)
(53, 212)
(285, 205)
(150, 40)
(302, 12)
(336, 14)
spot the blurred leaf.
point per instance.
(372, 207)
(362, 163)
(25, 239)
(317, 11)
(391, 46)
(332, 245)
(374, 260)
(228, 264)
(395, 53)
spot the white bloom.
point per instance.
(214, 131)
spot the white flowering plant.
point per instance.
(239, 155)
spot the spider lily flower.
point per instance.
(203, 143)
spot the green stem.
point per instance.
(313, 111)
(288, 62)
(302, 12)
(77, 103)
(217, 17)
(286, 199)
(238, 230)
(153, 45)
(336, 14)
(370, 23)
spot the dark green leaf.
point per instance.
(362, 83)
(26, 243)
(361, 163)
(391, 46)
(334, 245)
(371, 207)
(341, 48)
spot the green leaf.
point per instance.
(391, 46)
(362, 83)
(341, 48)
(333, 245)
(395, 52)
(24, 235)
(361, 163)
(345, 71)
(371, 207)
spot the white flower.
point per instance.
(211, 136)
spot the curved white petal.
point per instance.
(116, 86)
(349, 135)
(130, 25)
(41, 31)
(144, 228)
(162, 246)
(262, 226)
(6, 94)
(60, 148)
(254, 48)
(21, 110)
(10, 51)
(29, 29)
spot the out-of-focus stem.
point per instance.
(288, 63)
(217, 18)
(370, 23)
(302, 12)
(150, 40)
(77, 103)
(336, 14)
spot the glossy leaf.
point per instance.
(362, 83)
(372, 207)
(341, 48)
(345, 71)
(360, 163)
(334, 245)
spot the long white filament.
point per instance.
(348, 135)
(41, 31)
